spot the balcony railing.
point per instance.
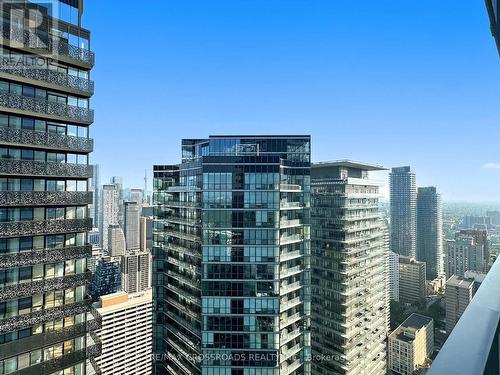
(44, 256)
(46, 140)
(44, 168)
(41, 316)
(21, 290)
(53, 45)
(290, 187)
(45, 198)
(52, 77)
(58, 364)
(39, 227)
(38, 341)
(48, 109)
(473, 346)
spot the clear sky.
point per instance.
(413, 82)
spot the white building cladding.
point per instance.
(126, 333)
(110, 209)
(349, 260)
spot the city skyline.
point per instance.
(425, 99)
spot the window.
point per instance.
(26, 184)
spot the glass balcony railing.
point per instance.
(51, 44)
(473, 346)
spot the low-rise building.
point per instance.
(411, 345)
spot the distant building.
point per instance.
(126, 333)
(476, 222)
(494, 217)
(430, 231)
(146, 234)
(412, 280)
(403, 193)
(436, 285)
(493, 7)
(393, 277)
(116, 241)
(464, 253)
(110, 209)
(411, 345)
(95, 237)
(117, 181)
(136, 195)
(136, 271)
(458, 294)
(132, 225)
(481, 238)
(106, 278)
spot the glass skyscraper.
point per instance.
(403, 190)
(231, 252)
(45, 325)
(430, 231)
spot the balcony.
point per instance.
(45, 198)
(473, 346)
(40, 340)
(43, 108)
(50, 79)
(19, 38)
(58, 364)
(21, 290)
(44, 169)
(51, 141)
(34, 228)
(290, 188)
(41, 316)
(44, 256)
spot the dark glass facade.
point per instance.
(232, 257)
(45, 321)
(493, 7)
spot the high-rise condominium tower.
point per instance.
(135, 271)
(349, 257)
(110, 209)
(430, 231)
(403, 211)
(132, 225)
(116, 241)
(44, 190)
(118, 182)
(232, 257)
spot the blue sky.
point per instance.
(412, 82)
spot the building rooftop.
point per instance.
(119, 300)
(458, 281)
(349, 164)
(416, 321)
